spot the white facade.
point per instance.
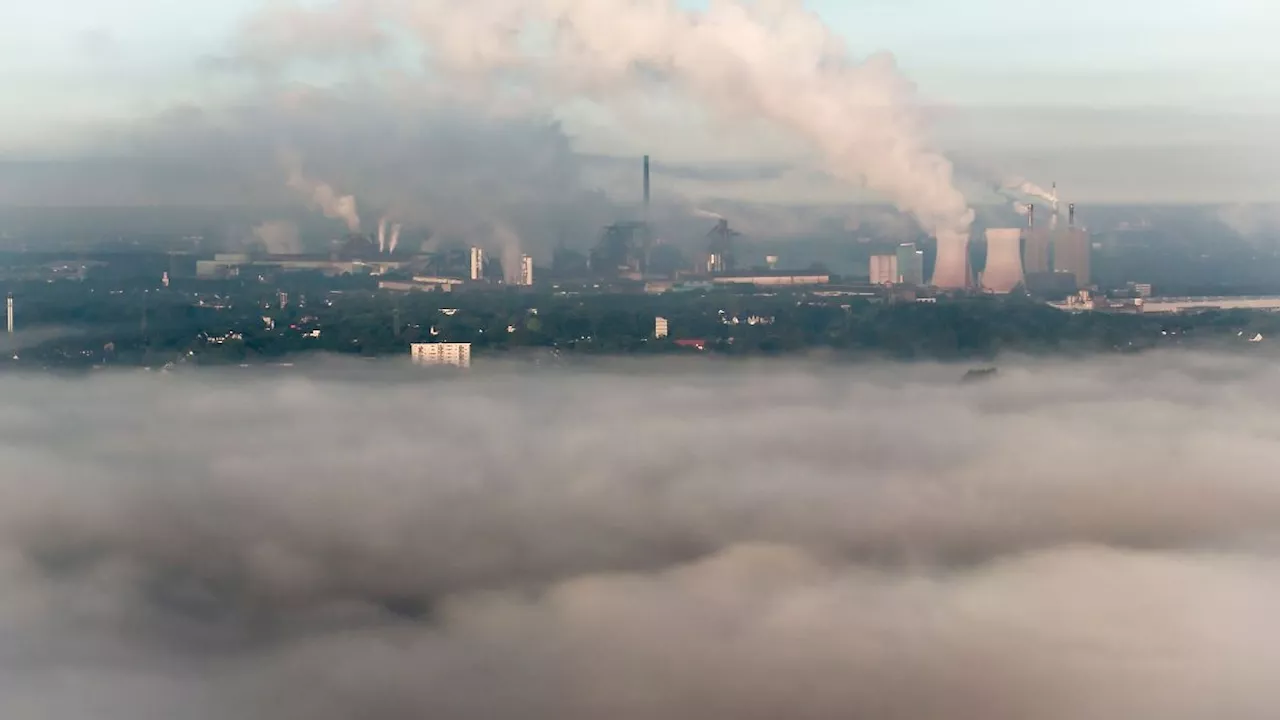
(660, 328)
(526, 270)
(1004, 261)
(884, 269)
(477, 263)
(773, 280)
(455, 354)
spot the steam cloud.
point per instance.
(771, 61)
(325, 198)
(395, 238)
(279, 238)
(1083, 541)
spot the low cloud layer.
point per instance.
(643, 541)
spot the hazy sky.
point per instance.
(1140, 72)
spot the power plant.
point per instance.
(1003, 272)
(624, 247)
(1036, 256)
(952, 270)
(720, 250)
(1071, 249)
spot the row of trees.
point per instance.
(152, 326)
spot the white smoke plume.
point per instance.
(508, 243)
(395, 238)
(1086, 540)
(382, 235)
(707, 214)
(279, 237)
(1021, 208)
(1252, 221)
(320, 195)
(1022, 189)
(771, 61)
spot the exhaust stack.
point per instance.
(646, 185)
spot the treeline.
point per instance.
(243, 321)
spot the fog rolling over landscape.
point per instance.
(1065, 540)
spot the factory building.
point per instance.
(884, 270)
(441, 354)
(773, 279)
(1071, 250)
(1036, 257)
(1003, 272)
(910, 265)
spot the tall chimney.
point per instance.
(9, 313)
(646, 184)
(1031, 215)
(1071, 215)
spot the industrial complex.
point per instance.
(1046, 259)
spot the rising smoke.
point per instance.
(279, 237)
(771, 61)
(644, 541)
(320, 195)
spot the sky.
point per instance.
(1036, 84)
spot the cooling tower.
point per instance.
(1004, 260)
(951, 271)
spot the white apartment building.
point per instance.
(526, 270)
(884, 269)
(477, 263)
(441, 353)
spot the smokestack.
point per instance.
(9, 313)
(1071, 215)
(1031, 215)
(646, 187)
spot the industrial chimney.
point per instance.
(9, 313)
(1004, 261)
(1031, 215)
(646, 186)
(1071, 215)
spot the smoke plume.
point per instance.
(278, 237)
(1023, 189)
(323, 197)
(774, 62)
(1252, 221)
(1084, 540)
(508, 243)
(395, 238)
(382, 235)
